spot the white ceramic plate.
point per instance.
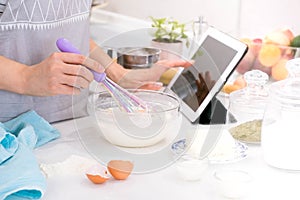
(240, 152)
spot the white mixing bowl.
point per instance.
(138, 129)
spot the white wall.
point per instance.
(252, 18)
(217, 12)
(262, 16)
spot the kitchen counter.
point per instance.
(268, 182)
(105, 25)
(114, 30)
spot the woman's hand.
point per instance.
(204, 85)
(60, 73)
(135, 78)
(148, 78)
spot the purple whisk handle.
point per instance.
(99, 77)
(65, 46)
(125, 100)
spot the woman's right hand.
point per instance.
(60, 73)
(204, 85)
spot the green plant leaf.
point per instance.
(168, 29)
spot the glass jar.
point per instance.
(280, 127)
(246, 107)
(293, 67)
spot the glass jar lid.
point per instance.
(286, 92)
(293, 67)
(254, 94)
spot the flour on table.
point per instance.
(73, 165)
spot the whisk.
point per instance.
(126, 100)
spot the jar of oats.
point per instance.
(246, 108)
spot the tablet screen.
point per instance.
(214, 59)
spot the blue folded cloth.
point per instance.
(43, 130)
(20, 175)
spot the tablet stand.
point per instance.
(214, 113)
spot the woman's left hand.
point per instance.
(148, 78)
(135, 78)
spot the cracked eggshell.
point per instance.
(120, 169)
(97, 174)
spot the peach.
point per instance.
(228, 88)
(240, 81)
(269, 54)
(288, 52)
(279, 71)
(288, 32)
(256, 45)
(277, 37)
(259, 66)
(237, 84)
(246, 63)
(247, 41)
(257, 40)
(253, 44)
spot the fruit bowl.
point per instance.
(137, 129)
(269, 58)
(268, 54)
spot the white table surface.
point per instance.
(268, 182)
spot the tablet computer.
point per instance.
(216, 56)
